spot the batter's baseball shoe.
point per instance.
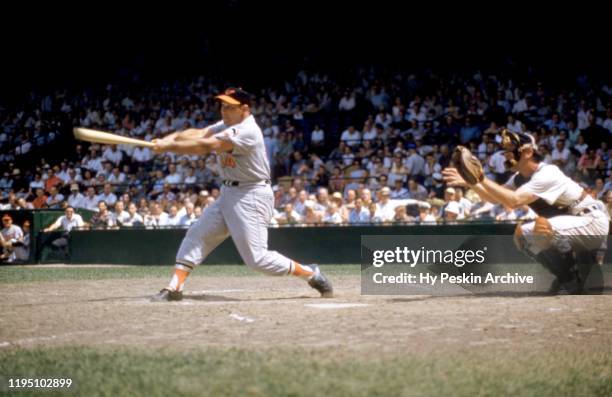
(167, 295)
(319, 282)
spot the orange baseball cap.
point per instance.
(235, 96)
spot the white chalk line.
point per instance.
(333, 305)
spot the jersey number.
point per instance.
(229, 161)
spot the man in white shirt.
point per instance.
(116, 177)
(75, 199)
(351, 137)
(189, 217)
(90, 201)
(120, 216)
(66, 222)
(174, 218)
(141, 155)
(173, 177)
(560, 154)
(113, 155)
(317, 137)
(107, 195)
(347, 102)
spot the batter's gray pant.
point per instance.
(244, 213)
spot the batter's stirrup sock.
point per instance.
(301, 271)
(181, 272)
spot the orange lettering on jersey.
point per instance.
(229, 161)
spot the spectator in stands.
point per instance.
(332, 215)
(55, 199)
(351, 137)
(75, 199)
(425, 215)
(133, 218)
(451, 211)
(156, 217)
(416, 191)
(174, 218)
(120, 215)
(189, 217)
(22, 246)
(311, 216)
(107, 195)
(103, 219)
(359, 214)
(386, 205)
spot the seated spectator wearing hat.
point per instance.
(385, 205)
(451, 200)
(339, 201)
(425, 215)
(437, 188)
(311, 215)
(11, 234)
(451, 211)
(75, 199)
(332, 215)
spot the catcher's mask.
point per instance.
(515, 143)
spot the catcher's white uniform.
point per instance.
(570, 211)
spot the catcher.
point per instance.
(569, 223)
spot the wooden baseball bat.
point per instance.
(85, 134)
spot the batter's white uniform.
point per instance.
(242, 211)
(582, 226)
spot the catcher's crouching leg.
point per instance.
(538, 245)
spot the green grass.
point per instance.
(20, 274)
(230, 372)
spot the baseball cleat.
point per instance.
(167, 296)
(319, 282)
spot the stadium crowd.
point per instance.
(367, 146)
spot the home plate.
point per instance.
(335, 305)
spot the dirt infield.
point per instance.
(255, 312)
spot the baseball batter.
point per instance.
(569, 220)
(245, 205)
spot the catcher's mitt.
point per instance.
(468, 166)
